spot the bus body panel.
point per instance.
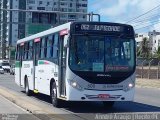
(27, 70)
(91, 95)
(17, 72)
(44, 73)
(75, 94)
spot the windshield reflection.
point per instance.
(101, 54)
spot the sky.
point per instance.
(124, 11)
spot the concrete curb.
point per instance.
(31, 108)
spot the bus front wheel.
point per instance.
(108, 104)
(55, 101)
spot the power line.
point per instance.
(144, 22)
(147, 26)
(143, 14)
(147, 18)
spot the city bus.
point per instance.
(79, 61)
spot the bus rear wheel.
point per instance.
(108, 104)
(55, 101)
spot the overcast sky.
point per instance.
(125, 10)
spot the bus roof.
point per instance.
(65, 26)
(46, 32)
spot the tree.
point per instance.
(157, 54)
(143, 50)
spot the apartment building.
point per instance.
(3, 29)
(153, 40)
(17, 25)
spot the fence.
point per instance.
(148, 68)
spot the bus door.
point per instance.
(18, 64)
(62, 64)
(35, 63)
(21, 60)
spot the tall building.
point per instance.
(3, 29)
(22, 24)
(9, 26)
(50, 19)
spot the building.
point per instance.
(3, 29)
(139, 38)
(42, 21)
(153, 40)
(27, 23)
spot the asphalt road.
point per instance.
(147, 100)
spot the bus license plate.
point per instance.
(103, 96)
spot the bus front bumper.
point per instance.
(94, 95)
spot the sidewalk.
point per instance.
(148, 83)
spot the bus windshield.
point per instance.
(101, 54)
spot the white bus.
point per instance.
(79, 61)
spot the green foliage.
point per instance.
(143, 49)
(157, 54)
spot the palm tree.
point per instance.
(144, 48)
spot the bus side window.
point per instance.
(45, 47)
(17, 53)
(26, 51)
(42, 48)
(30, 56)
(22, 52)
(49, 46)
(55, 46)
(52, 44)
(37, 52)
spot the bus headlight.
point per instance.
(74, 84)
(128, 87)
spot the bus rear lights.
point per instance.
(74, 84)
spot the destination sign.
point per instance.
(107, 28)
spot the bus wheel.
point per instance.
(54, 99)
(108, 104)
(27, 91)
